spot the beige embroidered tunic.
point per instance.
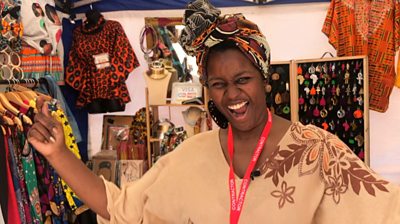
(311, 178)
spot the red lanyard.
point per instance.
(237, 203)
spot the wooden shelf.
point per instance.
(153, 143)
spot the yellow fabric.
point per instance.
(71, 144)
(73, 147)
(311, 178)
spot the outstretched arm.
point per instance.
(46, 135)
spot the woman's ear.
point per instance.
(266, 84)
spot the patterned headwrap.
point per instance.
(205, 28)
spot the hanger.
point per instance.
(29, 92)
(3, 129)
(15, 98)
(18, 122)
(26, 94)
(7, 120)
(13, 110)
(7, 105)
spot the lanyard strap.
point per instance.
(237, 203)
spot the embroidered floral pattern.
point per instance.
(369, 15)
(315, 150)
(336, 188)
(285, 194)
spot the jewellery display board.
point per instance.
(278, 89)
(333, 95)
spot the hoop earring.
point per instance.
(217, 116)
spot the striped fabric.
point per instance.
(367, 27)
(37, 65)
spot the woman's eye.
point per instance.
(217, 84)
(242, 80)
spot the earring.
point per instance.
(217, 116)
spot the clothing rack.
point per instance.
(21, 81)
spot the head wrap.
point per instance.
(205, 28)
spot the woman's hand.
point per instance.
(46, 134)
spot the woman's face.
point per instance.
(237, 88)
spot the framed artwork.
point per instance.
(106, 168)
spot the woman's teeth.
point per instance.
(237, 106)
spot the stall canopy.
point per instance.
(117, 5)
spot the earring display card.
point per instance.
(333, 95)
(278, 89)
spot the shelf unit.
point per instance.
(153, 143)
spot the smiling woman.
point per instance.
(284, 172)
(235, 85)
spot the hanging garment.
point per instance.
(365, 27)
(51, 88)
(75, 204)
(100, 61)
(42, 25)
(3, 176)
(37, 65)
(46, 190)
(58, 201)
(17, 188)
(17, 150)
(30, 179)
(12, 213)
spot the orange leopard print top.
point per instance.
(109, 47)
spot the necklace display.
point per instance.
(331, 96)
(237, 202)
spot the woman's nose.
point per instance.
(232, 91)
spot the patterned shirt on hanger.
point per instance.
(364, 27)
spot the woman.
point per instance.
(281, 172)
